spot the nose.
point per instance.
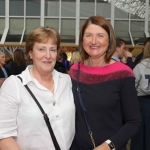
(48, 54)
(94, 40)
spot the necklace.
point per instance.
(52, 80)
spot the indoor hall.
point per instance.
(130, 20)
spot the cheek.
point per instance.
(85, 41)
(54, 56)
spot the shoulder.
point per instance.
(10, 83)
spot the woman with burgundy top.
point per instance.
(108, 108)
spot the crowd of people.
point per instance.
(98, 100)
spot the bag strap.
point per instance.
(45, 117)
(83, 107)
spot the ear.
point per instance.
(30, 54)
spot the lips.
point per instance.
(94, 47)
(47, 62)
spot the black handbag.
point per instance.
(45, 117)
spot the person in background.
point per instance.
(22, 125)
(140, 56)
(121, 52)
(4, 72)
(107, 110)
(59, 66)
(65, 62)
(142, 84)
(9, 60)
(19, 63)
(75, 57)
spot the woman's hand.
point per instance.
(103, 146)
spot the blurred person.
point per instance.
(142, 84)
(4, 72)
(8, 59)
(19, 63)
(120, 50)
(59, 66)
(75, 57)
(107, 110)
(65, 62)
(22, 125)
(140, 56)
(130, 61)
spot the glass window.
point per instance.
(52, 23)
(103, 9)
(16, 25)
(16, 8)
(33, 8)
(2, 25)
(87, 8)
(68, 31)
(121, 14)
(137, 30)
(52, 8)
(2, 7)
(81, 22)
(121, 29)
(68, 9)
(31, 24)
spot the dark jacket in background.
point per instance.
(15, 69)
(138, 58)
(2, 74)
(60, 67)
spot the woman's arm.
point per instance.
(8, 144)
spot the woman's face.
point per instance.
(44, 56)
(2, 60)
(95, 41)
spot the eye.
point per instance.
(54, 50)
(100, 36)
(41, 49)
(87, 35)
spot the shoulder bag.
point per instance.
(83, 108)
(45, 117)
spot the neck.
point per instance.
(46, 80)
(116, 55)
(41, 76)
(96, 62)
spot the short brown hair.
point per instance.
(41, 35)
(119, 42)
(105, 24)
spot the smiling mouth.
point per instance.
(94, 46)
(47, 62)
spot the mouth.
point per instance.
(94, 47)
(47, 62)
